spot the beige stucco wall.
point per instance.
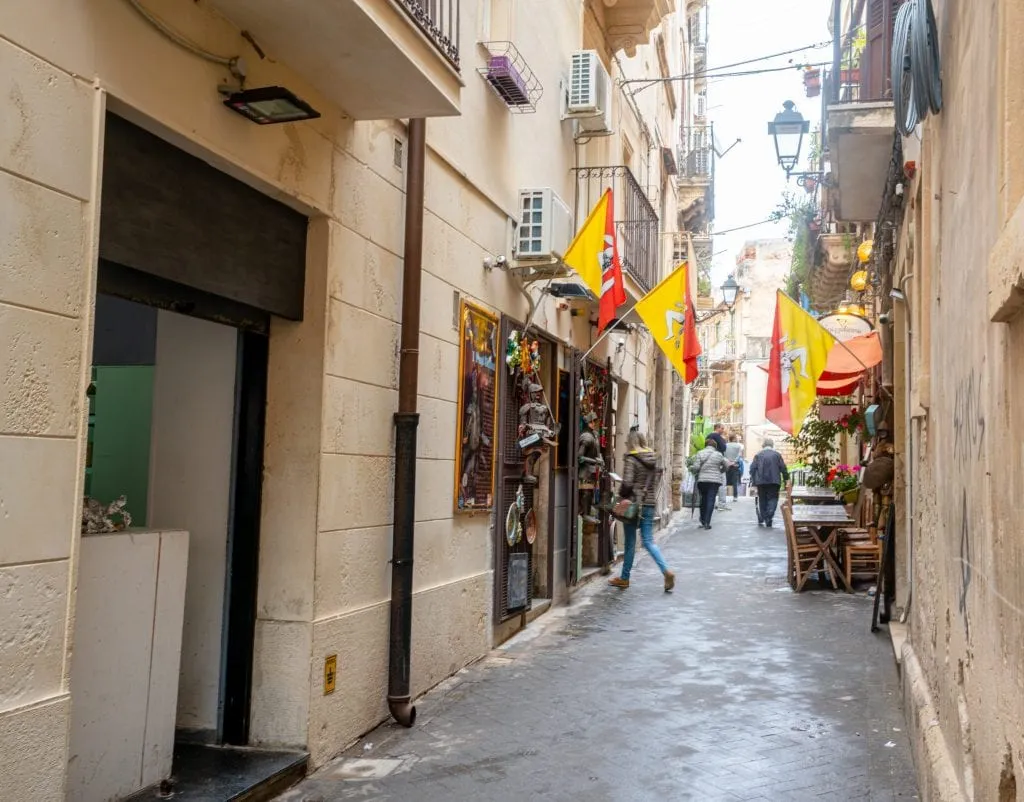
(326, 539)
(962, 416)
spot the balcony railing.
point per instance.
(700, 60)
(862, 72)
(636, 221)
(759, 348)
(723, 351)
(696, 153)
(439, 20)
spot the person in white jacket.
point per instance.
(709, 466)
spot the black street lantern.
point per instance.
(270, 104)
(788, 129)
(729, 290)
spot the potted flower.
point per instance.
(853, 423)
(843, 481)
(812, 81)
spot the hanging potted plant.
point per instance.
(812, 81)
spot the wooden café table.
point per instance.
(823, 521)
(813, 495)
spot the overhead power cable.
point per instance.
(748, 225)
(916, 65)
(708, 72)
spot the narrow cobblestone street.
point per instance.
(730, 688)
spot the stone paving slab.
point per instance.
(730, 688)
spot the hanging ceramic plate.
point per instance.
(512, 533)
(531, 526)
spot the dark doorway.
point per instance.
(244, 536)
(179, 235)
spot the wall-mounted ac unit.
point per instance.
(589, 97)
(545, 225)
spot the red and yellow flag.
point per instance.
(594, 255)
(800, 347)
(667, 311)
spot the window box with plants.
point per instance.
(812, 81)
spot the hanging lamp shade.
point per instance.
(864, 251)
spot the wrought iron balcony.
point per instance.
(858, 118)
(700, 60)
(439, 20)
(723, 351)
(636, 221)
(696, 160)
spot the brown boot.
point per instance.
(619, 582)
(670, 581)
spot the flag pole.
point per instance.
(606, 332)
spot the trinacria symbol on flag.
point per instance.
(788, 359)
(675, 323)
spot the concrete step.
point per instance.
(236, 774)
(898, 635)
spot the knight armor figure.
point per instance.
(537, 428)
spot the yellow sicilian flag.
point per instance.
(800, 347)
(594, 256)
(667, 311)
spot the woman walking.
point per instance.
(639, 483)
(709, 465)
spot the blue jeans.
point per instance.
(647, 537)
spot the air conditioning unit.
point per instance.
(545, 225)
(589, 97)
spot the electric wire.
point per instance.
(748, 225)
(903, 96)
(927, 65)
(739, 74)
(916, 65)
(652, 81)
(179, 40)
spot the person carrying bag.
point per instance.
(635, 508)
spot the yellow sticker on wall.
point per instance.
(330, 673)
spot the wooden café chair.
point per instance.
(862, 553)
(806, 557)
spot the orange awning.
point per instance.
(853, 357)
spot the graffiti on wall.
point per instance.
(968, 420)
(965, 565)
(968, 445)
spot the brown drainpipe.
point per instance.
(406, 423)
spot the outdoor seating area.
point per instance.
(833, 542)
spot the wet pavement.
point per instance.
(730, 688)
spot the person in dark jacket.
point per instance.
(640, 473)
(718, 438)
(767, 472)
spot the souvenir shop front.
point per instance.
(535, 450)
(586, 401)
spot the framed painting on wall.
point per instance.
(477, 410)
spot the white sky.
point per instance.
(748, 181)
